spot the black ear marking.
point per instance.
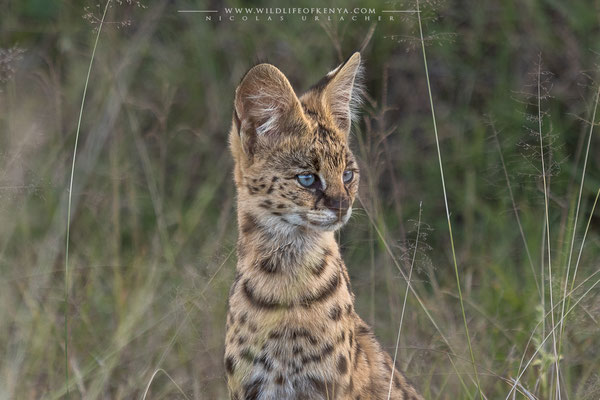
(237, 122)
(319, 86)
(322, 83)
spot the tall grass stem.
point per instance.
(547, 220)
(587, 153)
(437, 142)
(69, 202)
(412, 264)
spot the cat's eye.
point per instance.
(347, 176)
(306, 180)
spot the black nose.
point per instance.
(338, 204)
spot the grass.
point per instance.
(152, 227)
(437, 144)
(547, 224)
(70, 200)
(412, 265)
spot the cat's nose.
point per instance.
(337, 204)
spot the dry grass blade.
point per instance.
(168, 376)
(547, 220)
(516, 381)
(417, 297)
(585, 162)
(437, 142)
(70, 200)
(412, 264)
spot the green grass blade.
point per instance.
(587, 153)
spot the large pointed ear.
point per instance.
(342, 92)
(264, 102)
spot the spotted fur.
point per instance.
(292, 332)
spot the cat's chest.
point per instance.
(289, 361)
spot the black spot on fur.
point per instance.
(265, 362)
(251, 189)
(335, 313)
(323, 132)
(256, 301)
(356, 355)
(267, 265)
(398, 383)
(320, 267)
(249, 224)
(275, 335)
(266, 204)
(326, 389)
(229, 365)
(319, 385)
(252, 389)
(324, 293)
(311, 113)
(364, 330)
(405, 394)
(342, 364)
(325, 351)
(294, 334)
(237, 121)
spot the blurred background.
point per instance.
(153, 228)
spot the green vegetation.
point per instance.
(153, 227)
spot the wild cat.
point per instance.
(292, 332)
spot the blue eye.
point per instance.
(306, 180)
(347, 176)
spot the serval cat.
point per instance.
(292, 332)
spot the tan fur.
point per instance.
(292, 332)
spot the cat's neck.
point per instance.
(281, 247)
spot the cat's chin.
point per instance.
(327, 222)
(316, 221)
(329, 228)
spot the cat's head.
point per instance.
(293, 163)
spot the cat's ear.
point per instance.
(264, 103)
(342, 92)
